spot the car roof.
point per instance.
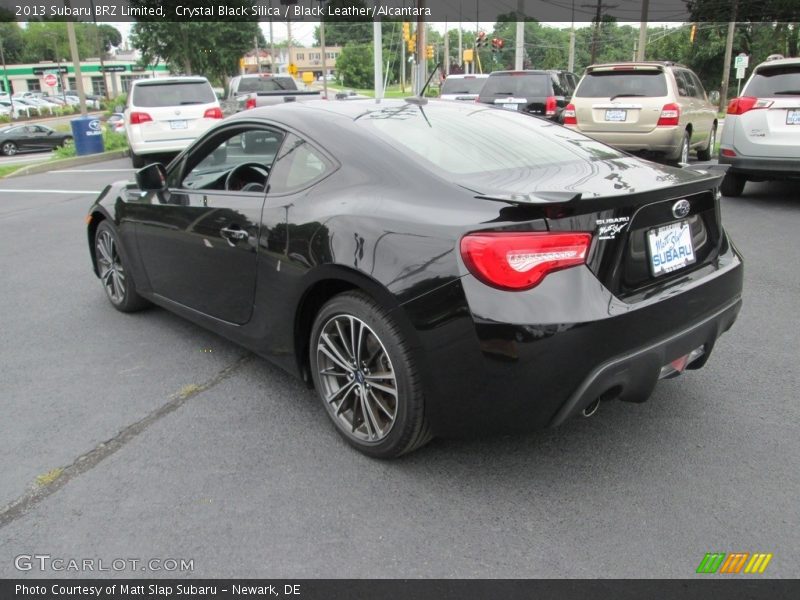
(527, 72)
(157, 80)
(467, 76)
(638, 63)
(778, 62)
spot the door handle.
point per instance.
(233, 235)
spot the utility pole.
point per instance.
(643, 31)
(571, 59)
(520, 43)
(460, 41)
(271, 44)
(446, 51)
(403, 67)
(100, 50)
(422, 61)
(726, 69)
(597, 18)
(6, 83)
(324, 59)
(289, 43)
(76, 65)
(258, 53)
(377, 55)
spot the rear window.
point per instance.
(265, 84)
(607, 84)
(523, 85)
(463, 85)
(774, 81)
(173, 94)
(475, 144)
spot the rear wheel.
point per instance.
(114, 274)
(138, 161)
(683, 149)
(9, 148)
(708, 151)
(732, 184)
(365, 376)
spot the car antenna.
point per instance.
(420, 99)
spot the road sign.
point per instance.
(51, 80)
(292, 68)
(742, 61)
(468, 55)
(740, 72)
(308, 77)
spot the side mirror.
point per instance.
(152, 178)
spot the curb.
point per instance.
(52, 165)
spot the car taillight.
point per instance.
(739, 106)
(213, 113)
(570, 117)
(519, 261)
(670, 115)
(137, 118)
(250, 103)
(728, 152)
(550, 106)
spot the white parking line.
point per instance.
(15, 191)
(94, 171)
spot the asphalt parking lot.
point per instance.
(176, 444)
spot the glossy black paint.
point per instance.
(32, 137)
(490, 360)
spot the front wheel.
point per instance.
(113, 272)
(365, 376)
(9, 148)
(683, 150)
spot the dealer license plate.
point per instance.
(793, 117)
(670, 247)
(616, 115)
(178, 124)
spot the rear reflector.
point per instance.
(519, 261)
(550, 106)
(739, 106)
(213, 113)
(570, 117)
(137, 118)
(670, 115)
(250, 103)
(728, 152)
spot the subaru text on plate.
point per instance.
(423, 291)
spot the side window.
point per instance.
(558, 88)
(298, 165)
(680, 80)
(700, 92)
(211, 165)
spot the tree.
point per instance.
(11, 38)
(110, 37)
(200, 46)
(355, 66)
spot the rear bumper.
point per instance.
(778, 168)
(664, 140)
(496, 362)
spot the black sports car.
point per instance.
(431, 268)
(18, 138)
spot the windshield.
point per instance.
(525, 85)
(265, 84)
(607, 84)
(463, 85)
(774, 81)
(175, 93)
(476, 146)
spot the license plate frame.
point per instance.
(179, 124)
(510, 106)
(616, 115)
(670, 248)
(793, 116)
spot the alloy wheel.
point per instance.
(357, 378)
(109, 264)
(685, 151)
(9, 148)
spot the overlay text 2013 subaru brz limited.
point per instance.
(430, 268)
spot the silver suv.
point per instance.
(761, 137)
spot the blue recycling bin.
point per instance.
(88, 135)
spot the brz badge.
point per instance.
(681, 208)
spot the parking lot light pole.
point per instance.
(76, 65)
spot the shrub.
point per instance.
(111, 141)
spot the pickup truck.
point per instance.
(265, 89)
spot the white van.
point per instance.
(463, 87)
(165, 114)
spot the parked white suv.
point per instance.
(761, 137)
(165, 114)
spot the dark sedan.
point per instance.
(21, 138)
(430, 268)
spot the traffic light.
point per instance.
(481, 40)
(497, 44)
(411, 44)
(429, 51)
(693, 32)
(406, 31)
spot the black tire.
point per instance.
(120, 288)
(732, 185)
(685, 145)
(706, 153)
(389, 354)
(138, 161)
(9, 148)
